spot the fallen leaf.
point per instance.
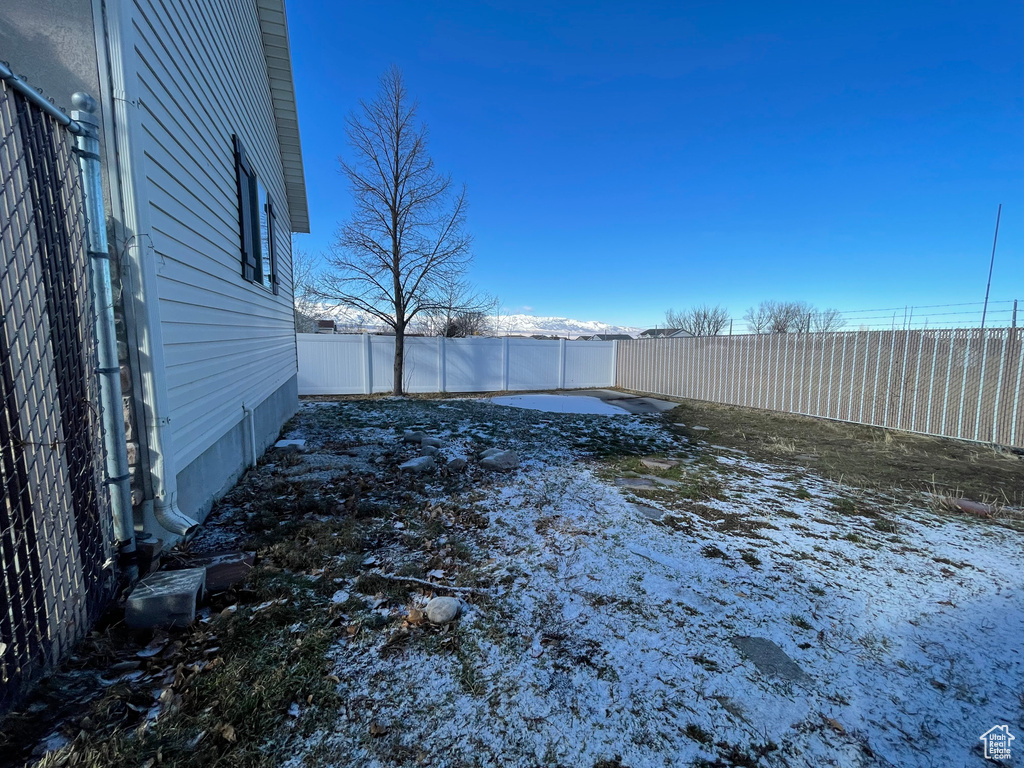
(836, 725)
(376, 729)
(228, 732)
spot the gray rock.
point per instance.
(653, 463)
(651, 513)
(435, 442)
(413, 437)
(428, 450)
(701, 429)
(442, 610)
(290, 446)
(661, 480)
(419, 464)
(632, 482)
(770, 659)
(503, 461)
(490, 452)
(457, 464)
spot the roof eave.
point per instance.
(277, 51)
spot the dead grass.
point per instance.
(862, 456)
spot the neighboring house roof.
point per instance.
(611, 337)
(276, 50)
(664, 333)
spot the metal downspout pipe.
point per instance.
(118, 471)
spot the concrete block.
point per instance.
(167, 598)
(148, 553)
(224, 569)
(290, 445)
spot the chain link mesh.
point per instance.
(55, 524)
(962, 382)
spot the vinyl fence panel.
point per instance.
(348, 364)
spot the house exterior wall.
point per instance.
(52, 44)
(227, 344)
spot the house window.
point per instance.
(256, 224)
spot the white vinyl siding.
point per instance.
(203, 77)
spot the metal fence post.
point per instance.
(118, 472)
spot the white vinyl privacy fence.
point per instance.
(349, 364)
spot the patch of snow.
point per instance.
(560, 404)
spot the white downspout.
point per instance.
(249, 413)
(140, 278)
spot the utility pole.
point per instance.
(991, 264)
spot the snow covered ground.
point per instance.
(612, 633)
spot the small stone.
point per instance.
(653, 463)
(973, 507)
(434, 442)
(290, 446)
(490, 452)
(457, 464)
(770, 659)
(651, 513)
(442, 610)
(701, 429)
(413, 437)
(633, 482)
(419, 464)
(503, 461)
(428, 450)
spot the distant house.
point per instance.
(204, 185)
(611, 337)
(664, 333)
(326, 326)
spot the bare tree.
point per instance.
(791, 317)
(778, 317)
(303, 277)
(759, 318)
(405, 240)
(704, 320)
(825, 320)
(460, 312)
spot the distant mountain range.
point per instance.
(529, 325)
(504, 325)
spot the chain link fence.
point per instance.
(56, 530)
(963, 383)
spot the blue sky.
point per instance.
(623, 158)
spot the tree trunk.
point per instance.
(397, 389)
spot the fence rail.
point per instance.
(343, 364)
(963, 383)
(56, 532)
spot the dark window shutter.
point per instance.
(246, 182)
(271, 244)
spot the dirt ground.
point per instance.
(603, 601)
